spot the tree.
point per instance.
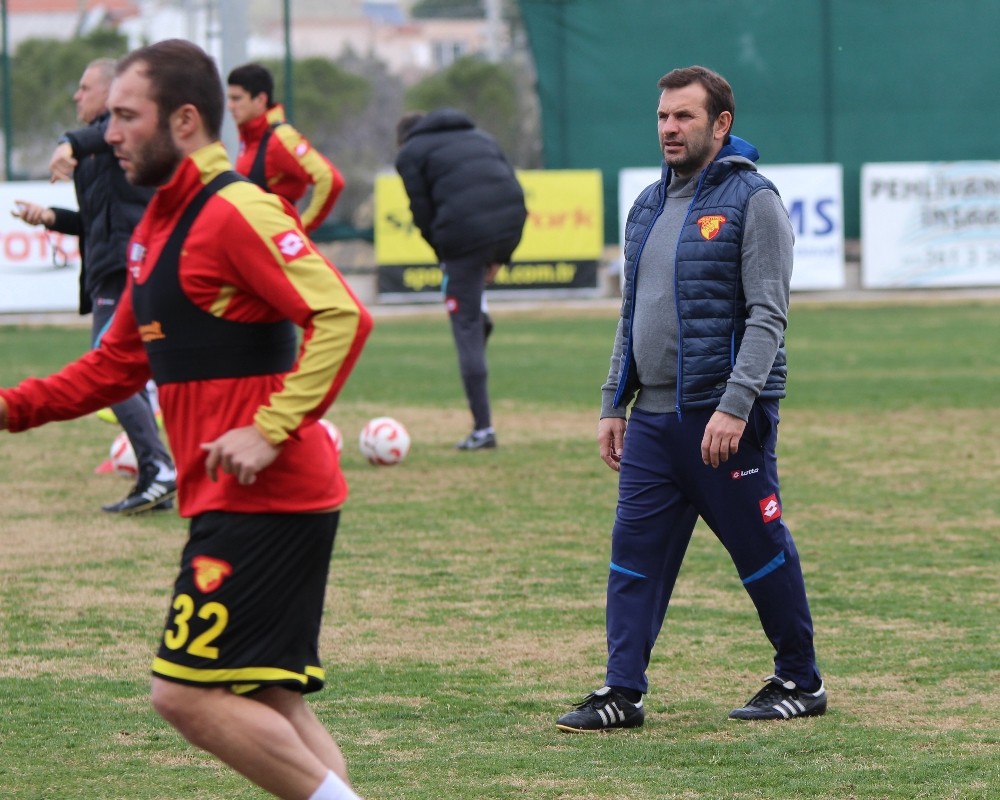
(489, 93)
(448, 9)
(44, 76)
(325, 96)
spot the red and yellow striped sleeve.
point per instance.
(315, 169)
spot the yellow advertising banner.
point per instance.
(565, 219)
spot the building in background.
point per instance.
(381, 29)
(64, 19)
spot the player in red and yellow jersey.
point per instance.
(220, 276)
(273, 154)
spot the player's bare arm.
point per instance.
(242, 452)
(610, 439)
(722, 438)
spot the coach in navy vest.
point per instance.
(689, 415)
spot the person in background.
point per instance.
(213, 318)
(699, 356)
(109, 208)
(273, 154)
(469, 207)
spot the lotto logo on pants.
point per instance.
(769, 508)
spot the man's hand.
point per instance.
(33, 214)
(722, 438)
(242, 452)
(62, 164)
(611, 439)
(491, 272)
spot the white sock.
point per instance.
(333, 788)
(165, 473)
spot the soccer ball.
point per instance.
(123, 457)
(384, 441)
(334, 433)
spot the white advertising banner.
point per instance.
(930, 224)
(39, 269)
(814, 197)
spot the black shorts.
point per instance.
(248, 602)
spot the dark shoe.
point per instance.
(477, 441)
(602, 710)
(148, 494)
(782, 700)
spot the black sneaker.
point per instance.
(782, 700)
(477, 441)
(148, 494)
(602, 710)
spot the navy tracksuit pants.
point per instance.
(663, 488)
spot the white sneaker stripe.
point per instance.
(780, 708)
(787, 703)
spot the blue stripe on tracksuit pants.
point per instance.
(663, 488)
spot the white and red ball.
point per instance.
(123, 457)
(334, 433)
(384, 441)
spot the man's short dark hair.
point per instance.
(407, 123)
(179, 73)
(720, 93)
(255, 79)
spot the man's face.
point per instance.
(91, 96)
(142, 141)
(688, 138)
(242, 106)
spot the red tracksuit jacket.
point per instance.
(245, 259)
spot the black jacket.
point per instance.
(110, 207)
(463, 192)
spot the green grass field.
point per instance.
(465, 610)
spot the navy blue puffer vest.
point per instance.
(708, 286)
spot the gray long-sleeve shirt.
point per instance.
(766, 272)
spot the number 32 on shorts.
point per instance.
(180, 636)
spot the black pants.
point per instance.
(463, 286)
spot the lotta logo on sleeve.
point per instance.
(710, 225)
(291, 244)
(770, 509)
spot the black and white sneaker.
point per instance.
(602, 710)
(149, 494)
(478, 441)
(782, 700)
